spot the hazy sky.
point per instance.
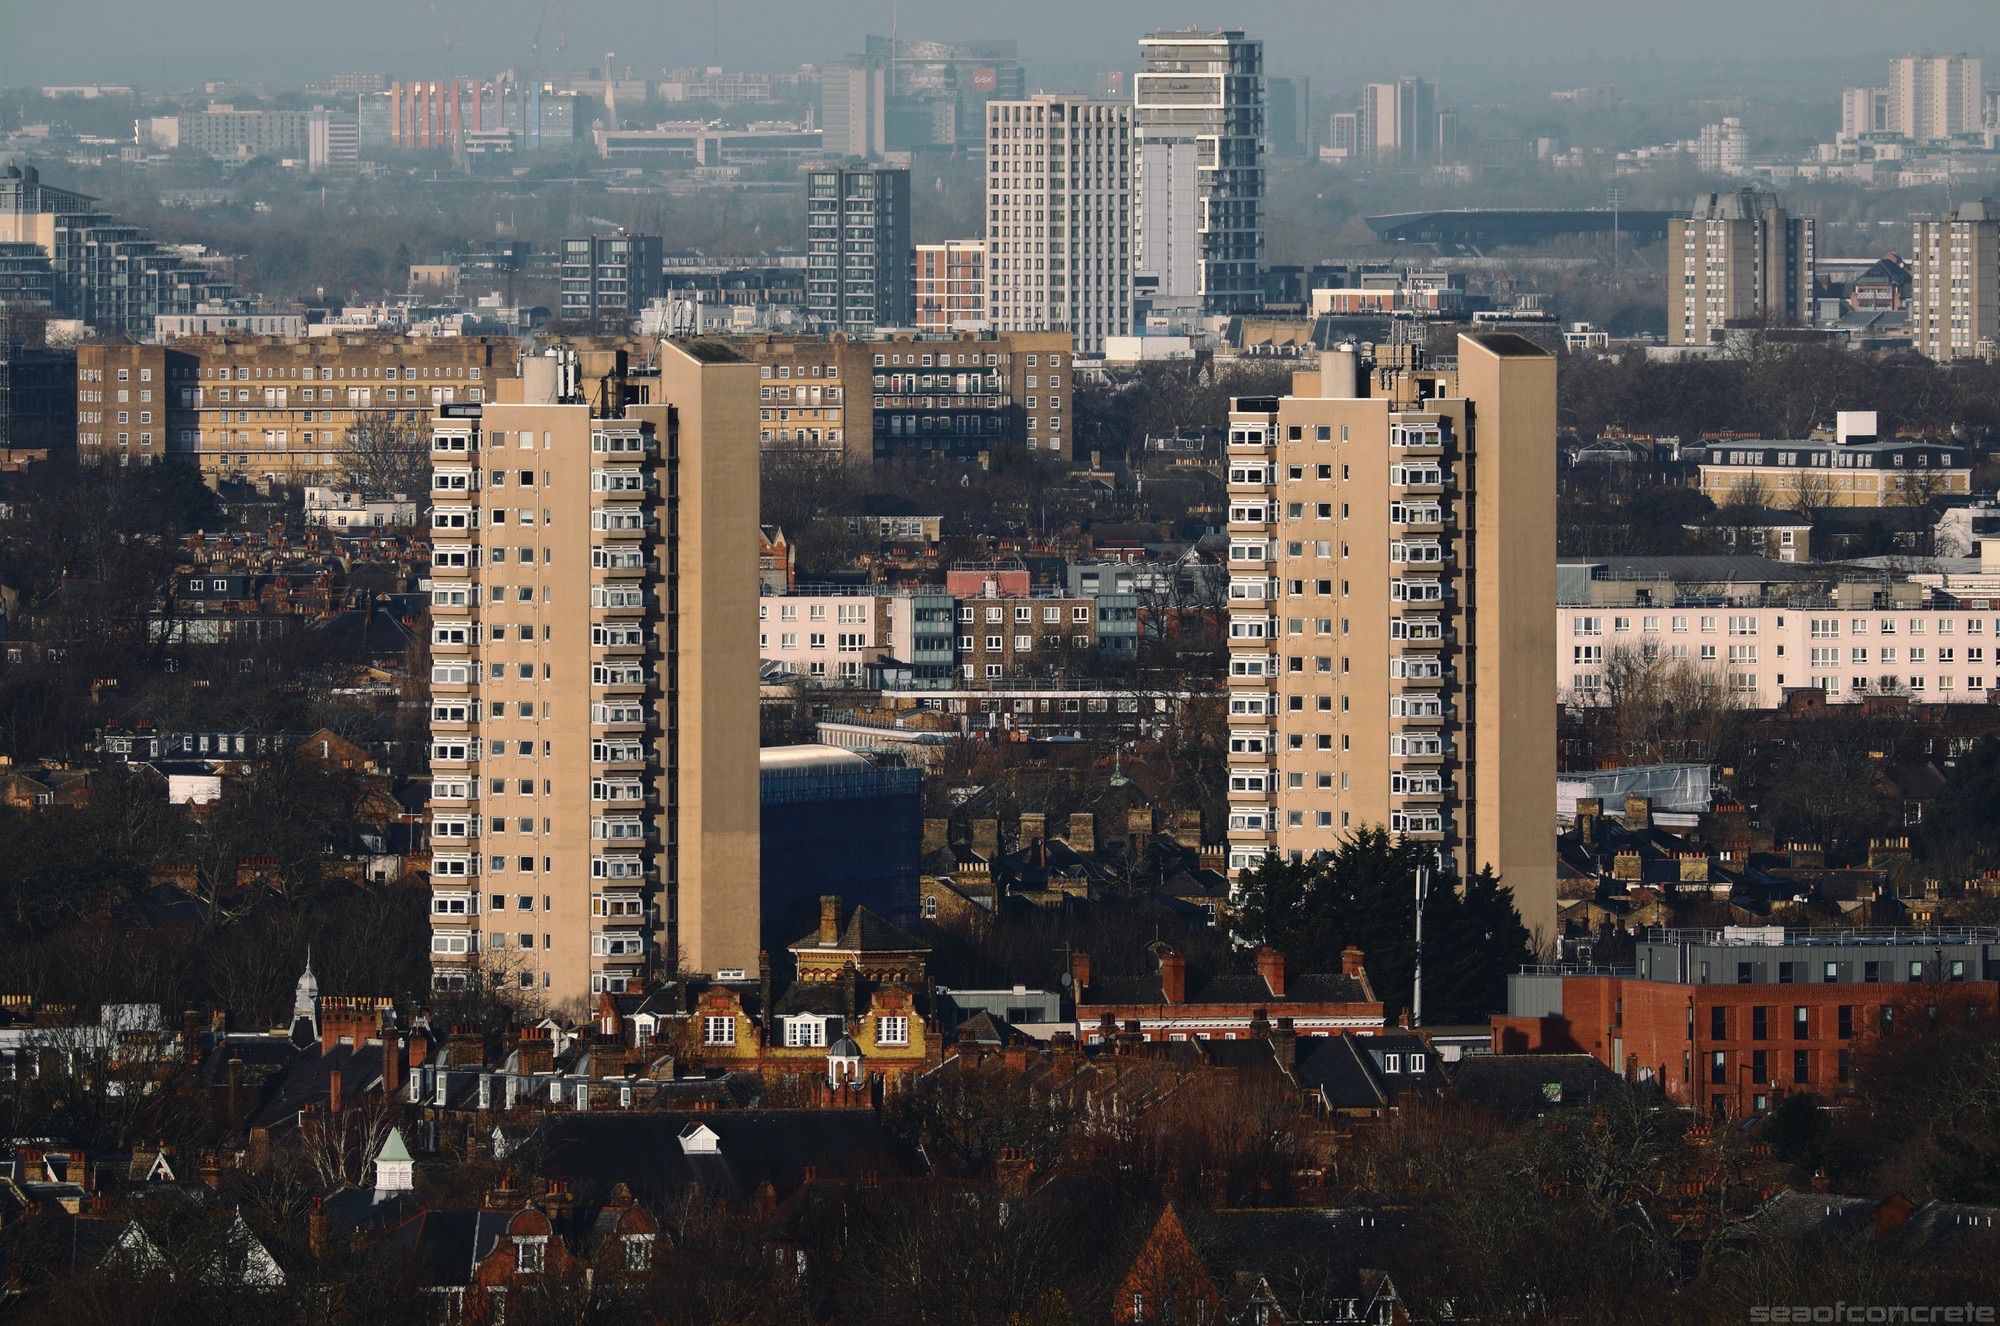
(166, 43)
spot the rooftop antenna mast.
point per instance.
(1417, 985)
(1616, 198)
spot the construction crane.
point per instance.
(535, 46)
(444, 29)
(562, 30)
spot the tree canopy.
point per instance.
(1363, 893)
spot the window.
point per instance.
(638, 1249)
(718, 1031)
(892, 1031)
(529, 1254)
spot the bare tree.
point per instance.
(1812, 493)
(382, 458)
(1656, 709)
(1919, 491)
(340, 1147)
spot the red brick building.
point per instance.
(1179, 1002)
(1730, 1026)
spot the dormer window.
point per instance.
(1392, 1063)
(1416, 1063)
(530, 1254)
(638, 1251)
(701, 1140)
(806, 1032)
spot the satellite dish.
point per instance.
(1066, 980)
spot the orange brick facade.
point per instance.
(1731, 1050)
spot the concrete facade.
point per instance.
(860, 399)
(1059, 217)
(594, 681)
(1738, 260)
(1955, 282)
(1391, 595)
(272, 408)
(1198, 143)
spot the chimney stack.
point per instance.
(1271, 966)
(1638, 813)
(392, 1061)
(1012, 1171)
(1173, 975)
(1285, 1045)
(1083, 832)
(1139, 829)
(1350, 962)
(829, 919)
(1079, 971)
(1589, 810)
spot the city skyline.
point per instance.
(67, 45)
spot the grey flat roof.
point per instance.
(1507, 344)
(1720, 568)
(710, 350)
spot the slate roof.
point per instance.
(349, 1211)
(1656, 848)
(828, 998)
(983, 1028)
(280, 1080)
(1228, 988)
(1522, 1083)
(1956, 1231)
(1310, 1262)
(595, 1152)
(866, 932)
(446, 1246)
(1348, 1070)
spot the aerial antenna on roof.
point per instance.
(1417, 984)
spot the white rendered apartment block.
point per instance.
(1767, 629)
(1059, 246)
